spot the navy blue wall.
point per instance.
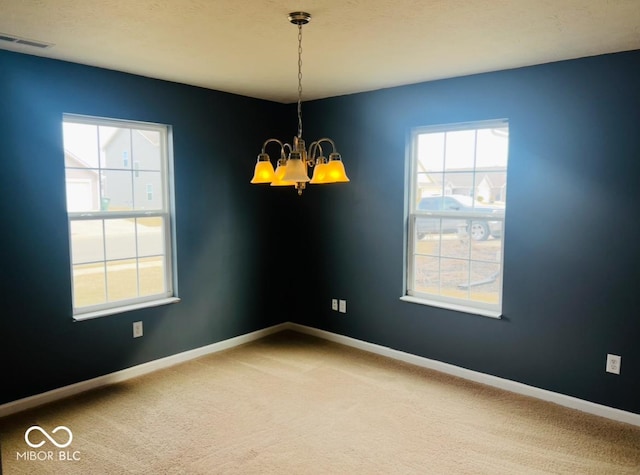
(572, 259)
(571, 253)
(224, 245)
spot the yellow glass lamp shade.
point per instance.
(335, 170)
(281, 169)
(264, 172)
(320, 172)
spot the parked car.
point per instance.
(478, 230)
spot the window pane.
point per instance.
(431, 184)
(115, 147)
(120, 238)
(148, 190)
(492, 148)
(488, 250)
(429, 246)
(118, 190)
(146, 149)
(152, 274)
(122, 280)
(484, 282)
(454, 274)
(462, 185)
(88, 285)
(150, 236)
(427, 274)
(81, 144)
(82, 189)
(430, 203)
(455, 245)
(431, 152)
(428, 228)
(460, 150)
(481, 229)
(491, 187)
(433, 227)
(87, 241)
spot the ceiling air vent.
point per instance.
(24, 41)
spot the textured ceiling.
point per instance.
(250, 48)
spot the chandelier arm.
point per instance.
(266, 142)
(313, 148)
(326, 139)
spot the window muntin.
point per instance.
(457, 201)
(119, 216)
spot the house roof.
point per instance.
(72, 160)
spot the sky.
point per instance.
(439, 151)
(82, 140)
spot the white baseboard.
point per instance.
(135, 371)
(139, 370)
(506, 384)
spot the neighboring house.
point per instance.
(490, 184)
(131, 170)
(81, 183)
(431, 185)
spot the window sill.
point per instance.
(452, 306)
(124, 308)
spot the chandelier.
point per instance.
(292, 168)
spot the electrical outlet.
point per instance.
(613, 363)
(137, 329)
(334, 304)
(343, 306)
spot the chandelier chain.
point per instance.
(299, 80)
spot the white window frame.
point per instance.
(410, 293)
(167, 213)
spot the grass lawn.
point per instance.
(443, 265)
(93, 286)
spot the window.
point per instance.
(120, 228)
(457, 184)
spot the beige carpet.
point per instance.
(293, 404)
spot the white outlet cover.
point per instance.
(137, 329)
(343, 306)
(334, 304)
(613, 363)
